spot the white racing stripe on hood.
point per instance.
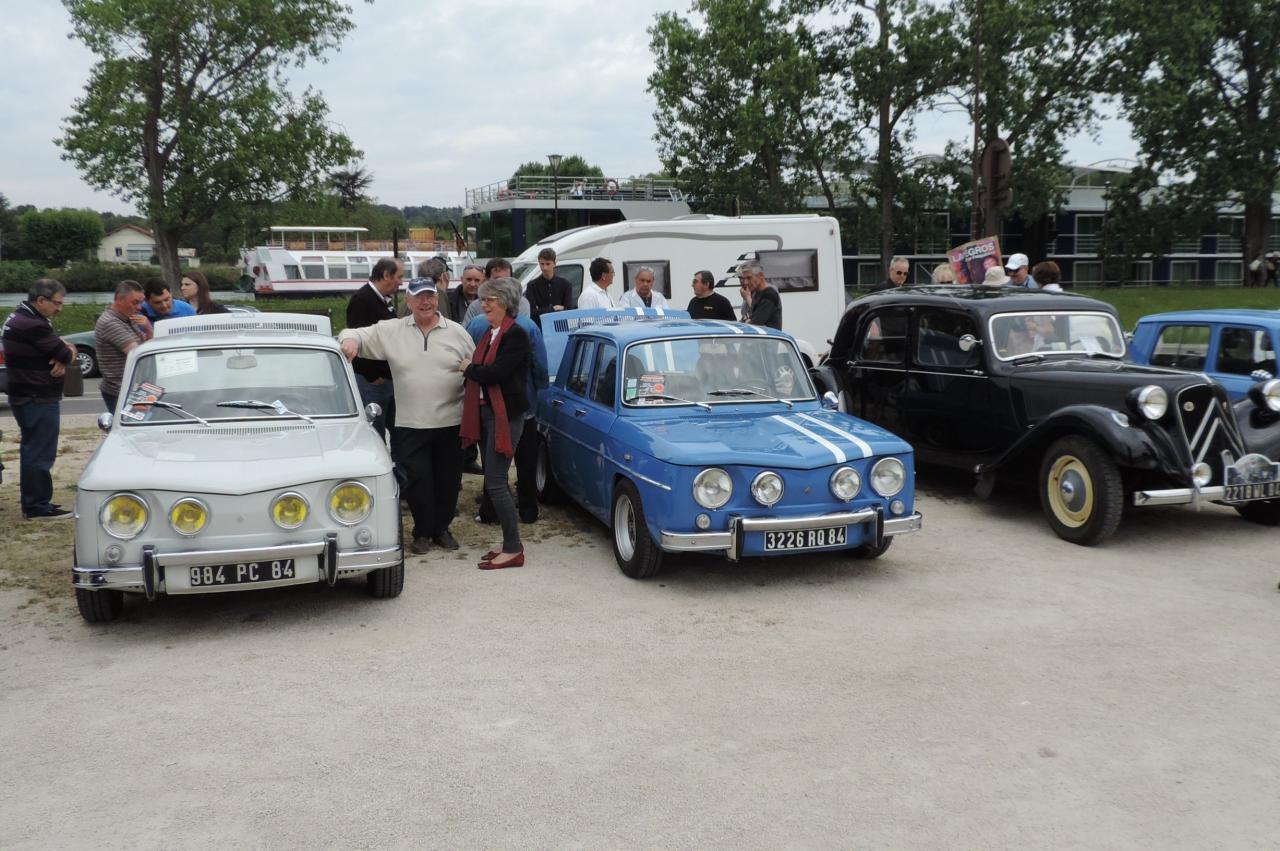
(867, 451)
(831, 447)
(732, 326)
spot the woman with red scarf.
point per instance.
(492, 408)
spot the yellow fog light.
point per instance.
(289, 510)
(350, 503)
(124, 516)
(188, 516)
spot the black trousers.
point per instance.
(432, 468)
(526, 463)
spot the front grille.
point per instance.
(1209, 427)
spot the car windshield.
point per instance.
(189, 384)
(1019, 334)
(714, 370)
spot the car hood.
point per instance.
(234, 458)
(775, 437)
(1047, 386)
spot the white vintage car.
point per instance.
(238, 458)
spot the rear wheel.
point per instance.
(544, 479)
(1265, 512)
(636, 553)
(99, 606)
(386, 582)
(1081, 491)
(88, 361)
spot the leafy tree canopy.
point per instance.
(572, 165)
(53, 237)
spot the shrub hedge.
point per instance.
(16, 276)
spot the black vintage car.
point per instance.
(1029, 384)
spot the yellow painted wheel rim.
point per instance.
(1070, 491)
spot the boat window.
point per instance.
(790, 270)
(360, 270)
(1181, 346)
(336, 272)
(292, 273)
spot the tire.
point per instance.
(544, 477)
(870, 551)
(386, 582)
(1265, 512)
(636, 553)
(1081, 491)
(88, 360)
(99, 606)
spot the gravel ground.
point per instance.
(983, 685)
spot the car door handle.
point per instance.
(557, 403)
(579, 412)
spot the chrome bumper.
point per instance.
(1179, 496)
(148, 579)
(731, 541)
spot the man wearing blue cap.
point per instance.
(423, 350)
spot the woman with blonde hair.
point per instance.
(944, 274)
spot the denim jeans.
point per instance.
(109, 399)
(38, 423)
(496, 488)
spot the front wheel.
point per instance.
(1081, 491)
(99, 606)
(1264, 512)
(636, 553)
(386, 582)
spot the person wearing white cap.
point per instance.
(1019, 272)
(995, 277)
(423, 350)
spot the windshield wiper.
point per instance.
(174, 406)
(276, 406)
(746, 391)
(673, 399)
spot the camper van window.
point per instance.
(572, 272)
(661, 275)
(337, 273)
(292, 273)
(790, 270)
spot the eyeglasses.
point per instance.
(898, 272)
(488, 298)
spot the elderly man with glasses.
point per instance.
(898, 269)
(423, 350)
(37, 359)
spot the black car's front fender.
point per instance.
(1136, 447)
(1259, 427)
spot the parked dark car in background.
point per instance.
(1018, 384)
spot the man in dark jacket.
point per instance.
(37, 359)
(462, 296)
(369, 305)
(706, 302)
(548, 292)
(766, 304)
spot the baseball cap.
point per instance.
(996, 277)
(416, 286)
(1017, 261)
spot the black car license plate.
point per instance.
(1248, 493)
(215, 575)
(805, 539)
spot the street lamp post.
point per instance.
(554, 159)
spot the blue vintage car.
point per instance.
(685, 435)
(1236, 348)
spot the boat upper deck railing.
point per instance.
(573, 188)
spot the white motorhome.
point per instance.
(800, 255)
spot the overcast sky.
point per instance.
(440, 97)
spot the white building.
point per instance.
(132, 244)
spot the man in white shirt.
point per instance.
(643, 295)
(596, 293)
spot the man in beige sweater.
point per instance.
(423, 350)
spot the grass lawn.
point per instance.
(80, 317)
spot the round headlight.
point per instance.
(350, 503)
(1153, 401)
(188, 516)
(289, 510)
(1271, 394)
(845, 483)
(767, 488)
(888, 476)
(712, 488)
(1201, 474)
(124, 516)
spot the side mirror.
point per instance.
(968, 342)
(104, 421)
(372, 411)
(830, 401)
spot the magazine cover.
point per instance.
(971, 261)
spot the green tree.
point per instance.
(8, 231)
(351, 185)
(1202, 90)
(187, 111)
(53, 237)
(571, 165)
